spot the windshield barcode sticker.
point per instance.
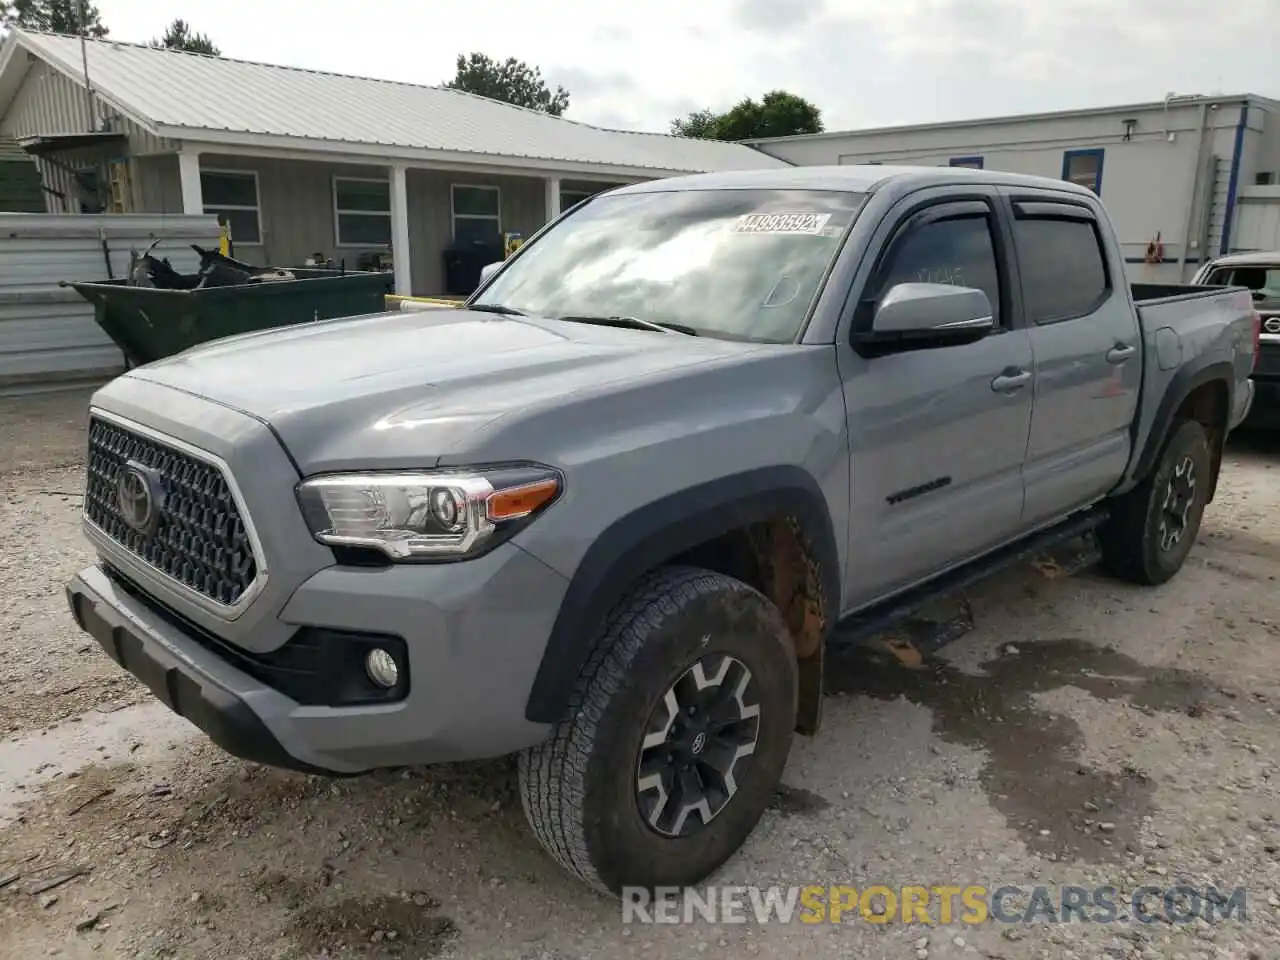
(803, 223)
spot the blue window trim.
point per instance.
(1070, 155)
(1233, 181)
(973, 163)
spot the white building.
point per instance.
(1184, 179)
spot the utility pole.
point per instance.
(84, 60)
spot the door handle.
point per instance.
(1121, 352)
(1011, 380)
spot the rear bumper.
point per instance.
(1244, 404)
(1264, 412)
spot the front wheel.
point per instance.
(679, 729)
(1153, 527)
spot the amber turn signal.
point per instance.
(516, 502)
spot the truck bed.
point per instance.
(1179, 320)
(1150, 293)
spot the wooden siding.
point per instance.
(295, 199)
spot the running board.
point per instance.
(1050, 551)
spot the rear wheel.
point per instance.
(1153, 527)
(679, 729)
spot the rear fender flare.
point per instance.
(1184, 382)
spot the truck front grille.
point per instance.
(196, 536)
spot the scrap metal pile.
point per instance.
(216, 270)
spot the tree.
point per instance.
(180, 36)
(511, 81)
(53, 16)
(701, 124)
(777, 114)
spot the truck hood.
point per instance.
(405, 389)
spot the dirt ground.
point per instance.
(1086, 733)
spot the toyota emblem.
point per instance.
(137, 497)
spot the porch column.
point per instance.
(553, 198)
(401, 260)
(189, 177)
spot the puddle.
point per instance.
(1034, 773)
(140, 734)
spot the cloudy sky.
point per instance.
(863, 62)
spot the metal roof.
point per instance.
(187, 96)
(1253, 99)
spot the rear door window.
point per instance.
(1063, 268)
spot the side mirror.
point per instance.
(489, 269)
(937, 314)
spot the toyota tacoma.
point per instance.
(608, 514)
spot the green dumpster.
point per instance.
(149, 323)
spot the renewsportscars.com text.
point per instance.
(945, 904)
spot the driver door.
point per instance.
(937, 435)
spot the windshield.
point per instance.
(740, 264)
(1265, 280)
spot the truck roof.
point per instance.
(1257, 258)
(851, 178)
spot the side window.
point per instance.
(959, 251)
(1064, 272)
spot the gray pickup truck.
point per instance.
(609, 514)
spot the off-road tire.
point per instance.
(579, 786)
(1131, 537)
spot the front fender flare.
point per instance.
(649, 536)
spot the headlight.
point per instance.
(432, 514)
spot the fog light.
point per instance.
(382, 669)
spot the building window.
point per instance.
(477, 214)
(972, 163)
(1083, 168)
(1067, 278)
(362, 212)
(1266, 179)
(569, 198)
(232, 196)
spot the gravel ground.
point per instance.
(1086, 734)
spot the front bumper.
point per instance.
(188, 687)
(474, 649)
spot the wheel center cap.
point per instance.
(699, 744)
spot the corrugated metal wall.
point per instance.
(1257, 225)
(48, 337)
(48, 103)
